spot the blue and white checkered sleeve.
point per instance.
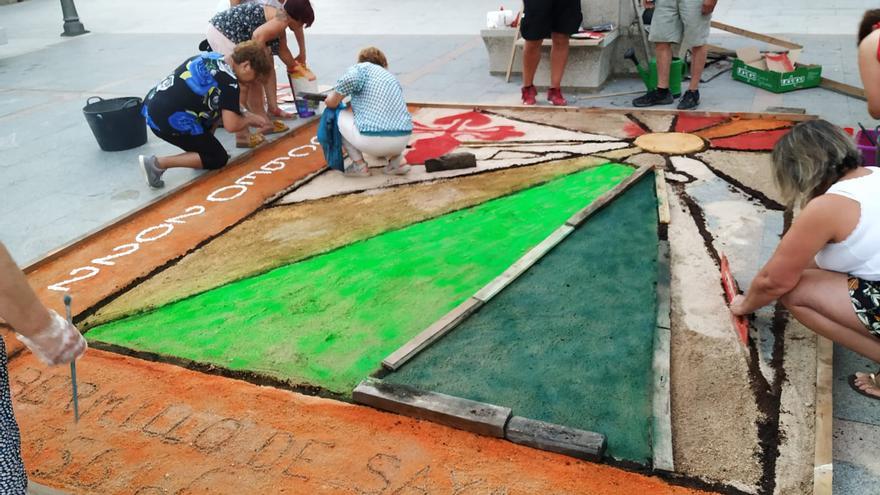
(351, 82)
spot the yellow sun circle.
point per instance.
(670, 143)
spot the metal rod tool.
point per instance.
(67, 301)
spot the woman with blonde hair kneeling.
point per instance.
(378, 126)
(826, 270)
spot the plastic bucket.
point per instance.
(868, 150)
(302, 109)
(117, 123)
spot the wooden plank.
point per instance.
(843, 88)
(431, 334)
(523, 264)
(663, 213)
(468, 415)
(576, 443)
(662, 409)
(594, 111)
(823, 462)
(756, 36)
(580, 217)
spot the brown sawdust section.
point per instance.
(286, 234)
(187, 234)
(150, 428)
(741, 127)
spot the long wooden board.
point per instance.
(823, 473)
(756, 36)
(593, 111)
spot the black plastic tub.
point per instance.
(117, 123)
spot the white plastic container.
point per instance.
(500, 18)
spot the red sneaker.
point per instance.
(554, 96)
(529, 95)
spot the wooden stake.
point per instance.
(513, 49)
(822, 467)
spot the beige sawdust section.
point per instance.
(612, 124)
(656, 121)
(714, 415)
(794, 467)
(620, 154)
(648, 160)
(752, 169)
(283, 235)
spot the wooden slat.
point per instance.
(823, 461)
(662, 408)
(523, 264)
(662, 197)
(843, 88)
(594, 111)
(580, 217)
(431, 334)
(756, 36)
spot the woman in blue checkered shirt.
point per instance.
(377, 127)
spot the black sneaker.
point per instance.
(690, 100)
(655, 97)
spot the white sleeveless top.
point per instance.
(859, 254)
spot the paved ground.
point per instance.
(57, 184)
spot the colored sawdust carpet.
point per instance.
(329, 321)
(571, 341)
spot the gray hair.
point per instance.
(810, 158)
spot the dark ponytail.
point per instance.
(869, 21)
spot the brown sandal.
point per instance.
(874, 381)
(253, 140)
(277, 127)
(281, 114)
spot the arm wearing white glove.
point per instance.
(49, 336)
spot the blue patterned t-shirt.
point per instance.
(377, 100)
(189, 101)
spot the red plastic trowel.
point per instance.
(730, 288)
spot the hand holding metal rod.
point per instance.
(67, 301)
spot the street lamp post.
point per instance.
(72, 26)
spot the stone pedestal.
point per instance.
(589, 67)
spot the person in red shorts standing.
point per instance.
(542, 19)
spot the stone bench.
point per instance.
(589, 61)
